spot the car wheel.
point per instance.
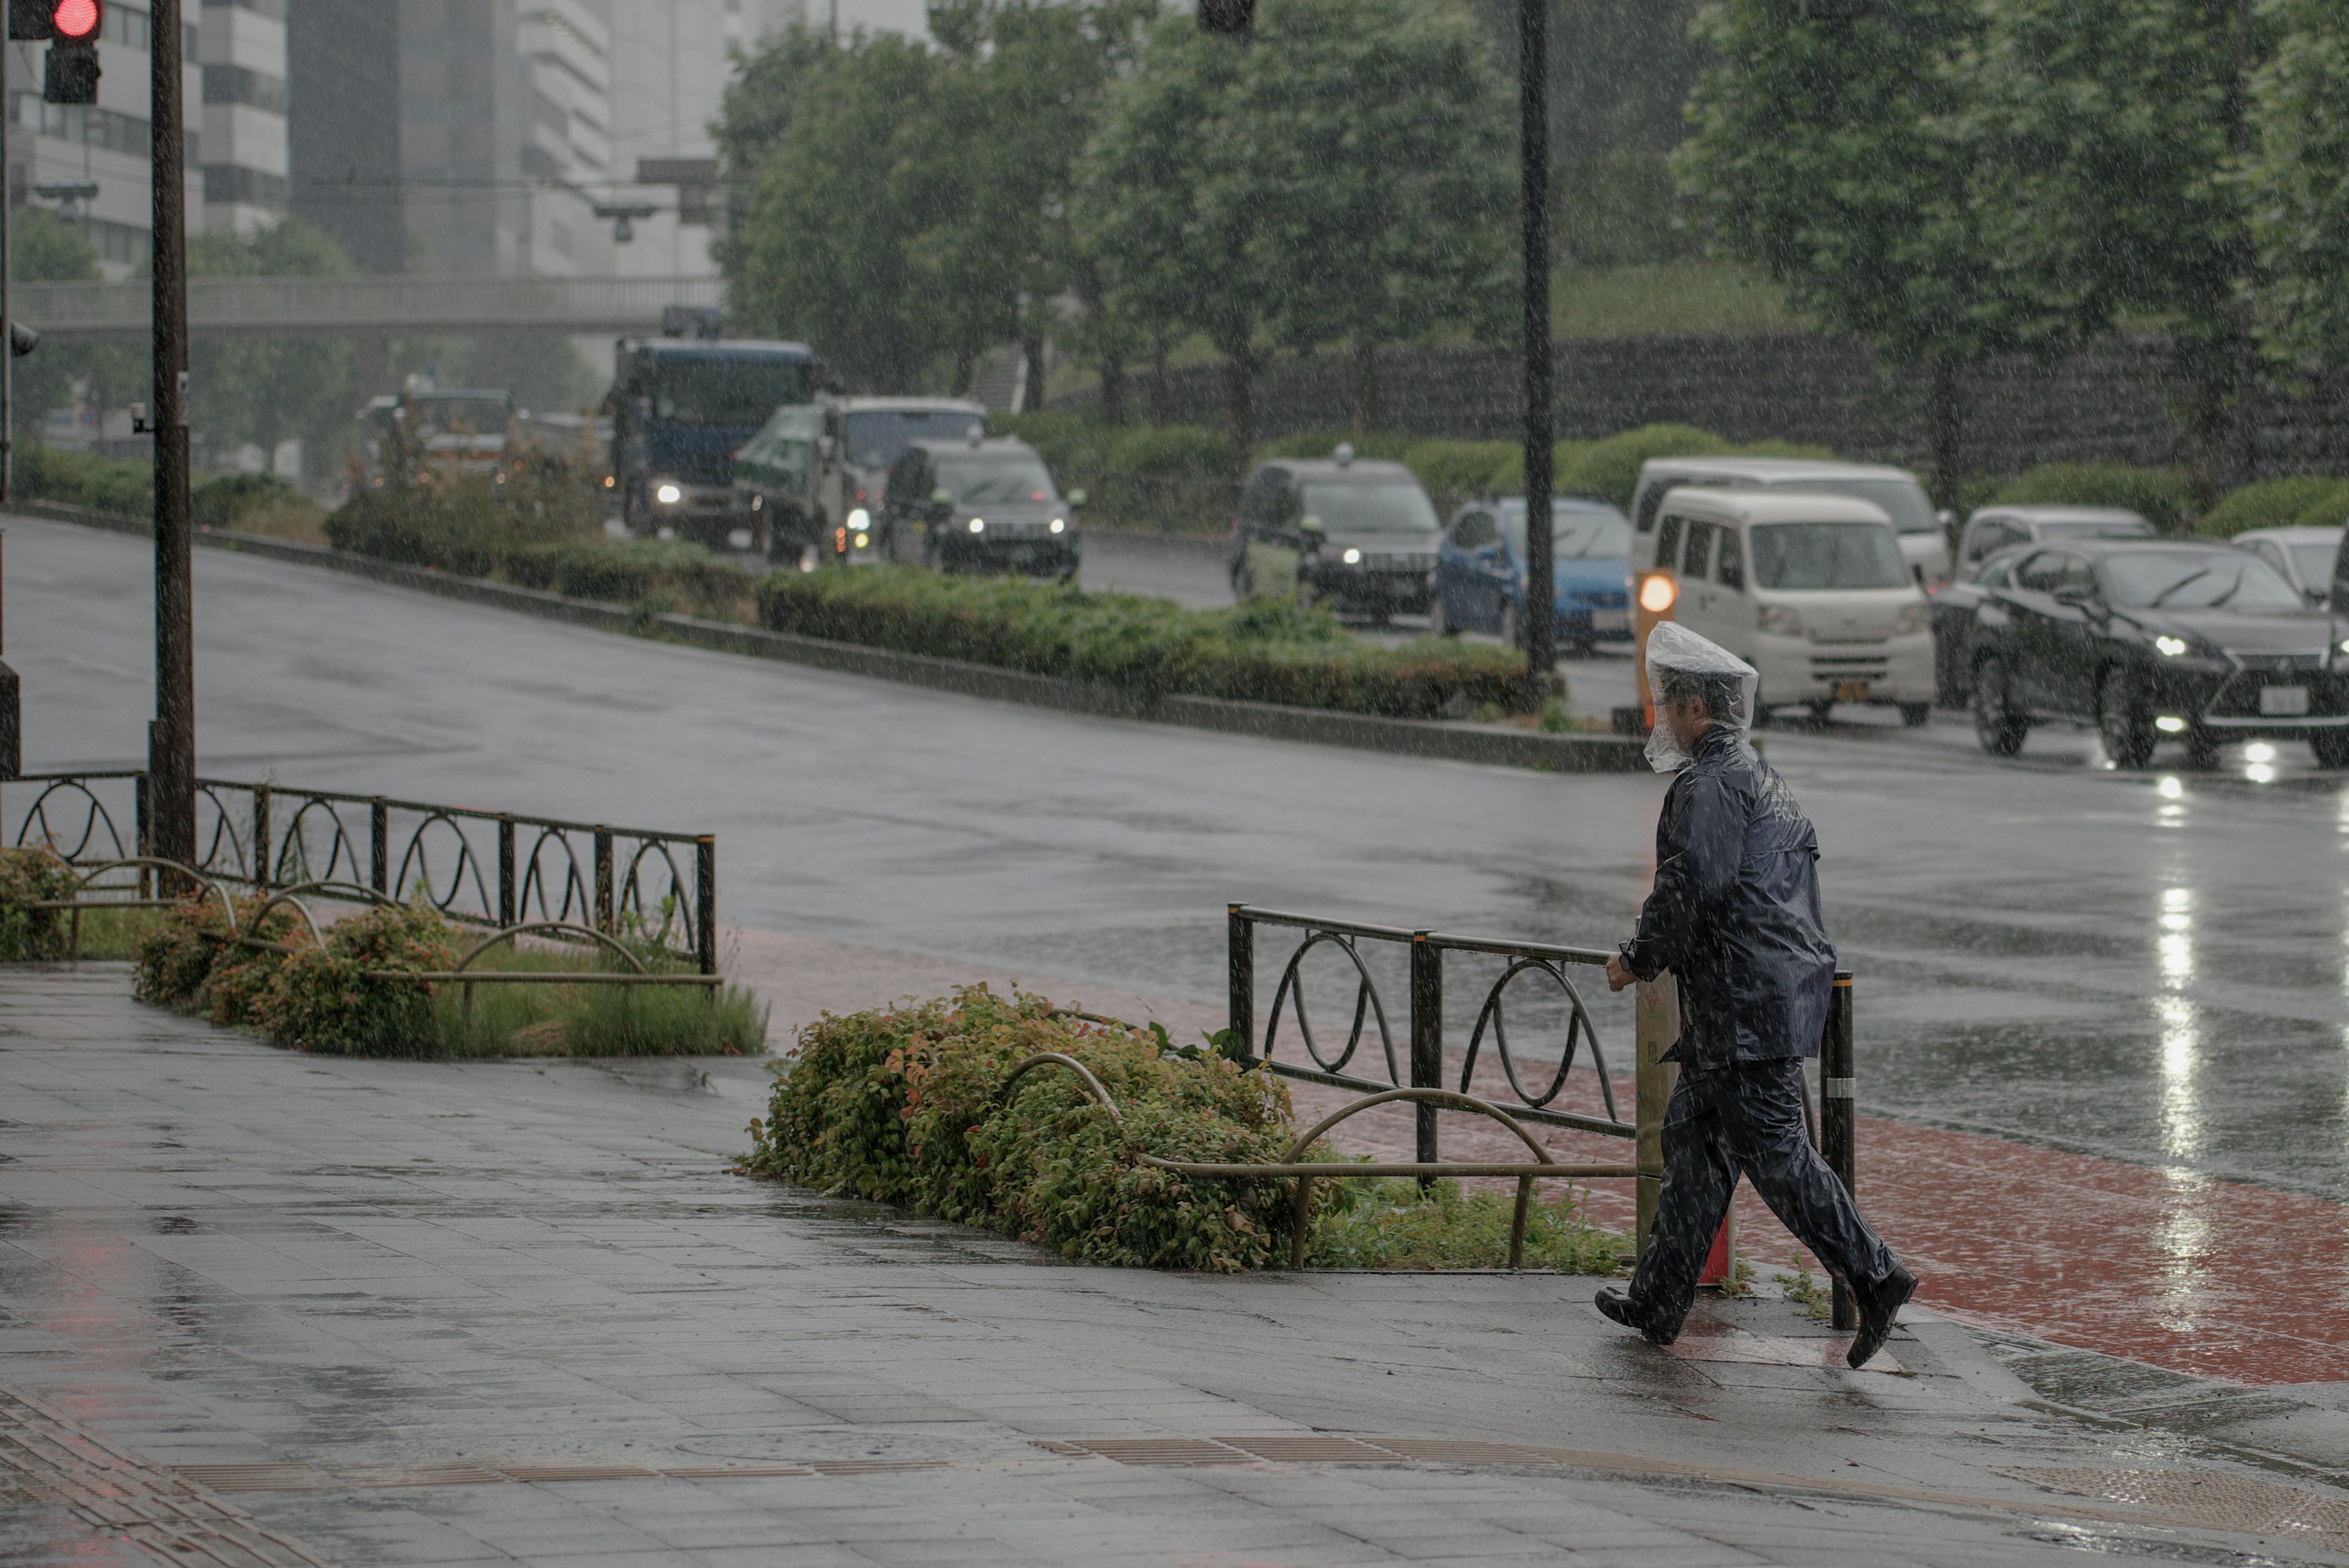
(1820, 712)
(1914, 714)
(2124, 719)
(1997, 726)
(1439, 623)
(1509, 626)
(2332, 748)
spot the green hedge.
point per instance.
(901, 1106)
(219, 503)
(2311, 500)
(2162, 496)
(1268, 650)
(83, 479)
(27, 877)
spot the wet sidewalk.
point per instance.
(263, 1308)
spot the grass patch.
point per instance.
(1817, 1296)
(1701, 296)
(591, 1020)
(1391, 1224)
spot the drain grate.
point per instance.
(2209, 1499)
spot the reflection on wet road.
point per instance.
(2150, 967)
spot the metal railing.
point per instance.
(277, 306)
(488, 868)
(1656, 1024)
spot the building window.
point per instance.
(273, 9)
(89, 125)
(228, 183)
(238, 84)
(131, 30)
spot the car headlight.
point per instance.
(978, 525)
(1912, 618)
(1352, 557)
(860, 518)
(669, 495)
(1060, 525)
(1779, 621)
(2170, 646)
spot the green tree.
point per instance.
(2297, 184)
(1850, 161)
(42, 249)
(265, 389)
(2121, 123)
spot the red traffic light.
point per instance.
(77, 21)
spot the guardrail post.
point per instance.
(1426, 1040)
(1657, 1019)
(379, 845)
(603, 921)
(1838, 1127)
(1240, 949)
(505, 869)
(261, 867)
(705, 901)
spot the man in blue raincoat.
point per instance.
(1734, 916)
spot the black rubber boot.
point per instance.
(1879, 1306)
(1614, 1304)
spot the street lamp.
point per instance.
(623, 216)
(68, 194)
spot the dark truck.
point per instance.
(680, 408)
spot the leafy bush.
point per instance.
(2162, 496)
(902, 1106)
(1393, 1225)
(83, 479)
(627, 571)
(326, 1000)
(177, 953)
(2315, 499)
(219, 503)
(1610, 469)
(29, 876)
(1262, 651)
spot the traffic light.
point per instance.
(73, 50)
(1228, 17)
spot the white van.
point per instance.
(1811, 590)
(1924, 534)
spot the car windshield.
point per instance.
(465, 416)
(2199, 579)
(740, 393)
(993, 480)
(2113, 530)
(1578, 530)
(1370, 508)
(2315, 561)
(1827, 555)
(1902, 500)
(877, 438)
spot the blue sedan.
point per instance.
(1480, 575)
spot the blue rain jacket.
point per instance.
(1735, 912)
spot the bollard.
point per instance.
(1240, 950)
(1837, 1128)
(505, 869)
(603, 921)
(379, 844)
(1426, 1040)
(261, 858)
(1656, 1015)
(705, 904)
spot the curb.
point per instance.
(1581, 754)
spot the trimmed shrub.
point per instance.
(1610, 469)
(29, 876)
(2314, 499)
(1261, 652)
(324, 1000)
(1175, 478)
(177, 953)
(902, 1106)
(2162, 496)
(220, 502)
(83, 479)
(626, 571)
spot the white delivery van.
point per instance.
(1923, 533)
(1811, 590)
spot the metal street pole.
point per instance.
(1539, 620)
(172, 738)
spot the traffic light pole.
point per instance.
(172, 738)
(1540, 617)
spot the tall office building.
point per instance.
(343, 125)
(241, 47)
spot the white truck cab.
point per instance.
(1923, 533)
(1811, 590)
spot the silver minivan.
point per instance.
(1924, 542)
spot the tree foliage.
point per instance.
(2296, 179)
(266, 391)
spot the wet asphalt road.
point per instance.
(2150, 966)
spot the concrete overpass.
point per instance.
(365, 306)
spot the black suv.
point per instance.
(1359, 537)
(980, 505)
(2153, 639)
